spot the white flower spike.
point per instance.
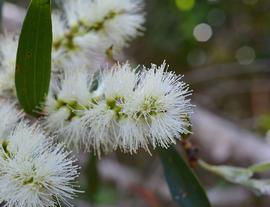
(93, 28)
(67, 100)
(130, 109)
(34, 171)
(116, 87)
(139, 109)
(162, 105)
(117, 21)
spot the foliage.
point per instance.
(33, 65)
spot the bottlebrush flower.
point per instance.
(58, 25)
(116, 86)
(34, 171)
(67, 100)
(116, 20)
(130, 109)
(161, 104)
(140, 109)
(98, 26)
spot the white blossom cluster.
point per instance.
(129, 109)
(85, 31)
(93, 103)
(33, 170)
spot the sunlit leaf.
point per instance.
(185, 5)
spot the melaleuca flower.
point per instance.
(71, 50)
(161, 104)
(58, 25)
(93, 27)
(35, 172)
(130, 109)
(115, 88)
(140, 109)
(59, 29)
(118, 20)
(8, 48)
(68, 98)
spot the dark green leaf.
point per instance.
(33, 65)
(93, 180)
(184, 186)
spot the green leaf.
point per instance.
(184, 186)
(230, 173)
(258, 168)
(93, 179)
(242, 176)
(260, 187)
(33, 64)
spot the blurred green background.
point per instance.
(194, 33)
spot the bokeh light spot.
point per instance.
(185, 5)
(245, 55)
(203, 32)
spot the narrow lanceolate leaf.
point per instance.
(184, 186)
(33, 65)
(93, 180)
(242, 176)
